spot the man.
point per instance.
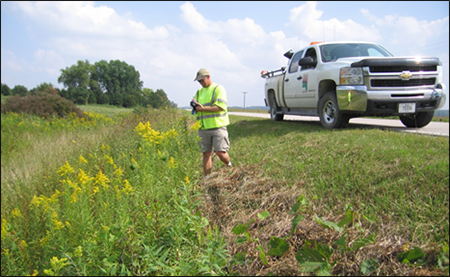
(211, 110)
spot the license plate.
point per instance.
(407, 108)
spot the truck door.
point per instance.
(303, 84)
(290, 81)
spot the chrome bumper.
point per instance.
(355, 98)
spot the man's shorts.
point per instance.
(216, 139)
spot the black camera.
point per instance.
(194, 105)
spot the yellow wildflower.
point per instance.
(58, 224)
(95, 190)
(35, 273)
(172, 163)
(4, 228)
(54, 197)
(16, 213)
(36, 201)
(78, 252)
(127, 188)
(101, 179)
(44, 240)
(74, 195)
(83, 178)
(187, 180)
(171, 134)
(195, 126)
(109, 159)
(23, 243)
(118, 173)
(82, 160)
(66, 169)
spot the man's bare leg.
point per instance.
(224, 157)
(207, 163)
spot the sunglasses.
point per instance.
(201, 80)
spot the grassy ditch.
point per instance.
(125, 196)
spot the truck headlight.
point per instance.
(352, 76)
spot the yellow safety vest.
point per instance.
(214, 95)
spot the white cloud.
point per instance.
(410, 31)
(306, 20)
(78, 17)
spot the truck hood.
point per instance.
(391, 61)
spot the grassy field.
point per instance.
(115, 195)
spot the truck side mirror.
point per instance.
(307, 61)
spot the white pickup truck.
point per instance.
(341, 80)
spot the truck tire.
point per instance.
(329, 114)
(417, 120)
(274, 109)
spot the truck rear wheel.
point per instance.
(417, 120)
(274, 109)
(330, 115)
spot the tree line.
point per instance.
(110, 83)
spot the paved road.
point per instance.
(434, 128)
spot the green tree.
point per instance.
(160, 99)
(117, 79)
(77, 75)
(6, 90)
(79, 95)
(19, 90)
(130, 101)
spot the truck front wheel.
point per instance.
(417, 120)
(274, 109)
(330, 115)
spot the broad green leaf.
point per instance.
(369, 266)
(239, 229)
(295, 208)
(263, 215)
(327, 224)
(311, 266)
(302, 200)
(262, 255)
(295, 221)
(348, 218)
(240, 257)
(241, 240)
(308, 254)
(342, 241)
(278, 247)
(363, 242)
(411, 256)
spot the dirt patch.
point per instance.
(236, 195)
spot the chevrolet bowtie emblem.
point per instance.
(406, 75)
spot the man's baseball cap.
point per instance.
(201, 73)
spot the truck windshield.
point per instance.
(332, 52)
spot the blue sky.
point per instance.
(167, 42)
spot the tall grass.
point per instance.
(123, 205)
(124, 195)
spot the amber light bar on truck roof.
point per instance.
(315, 42)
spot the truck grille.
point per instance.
(402, 83)
(400, 69)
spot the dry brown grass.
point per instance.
(236, 195)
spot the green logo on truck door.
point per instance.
(305, 83)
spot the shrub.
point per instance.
(6, 90)
(42, 104)
(19, 90)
